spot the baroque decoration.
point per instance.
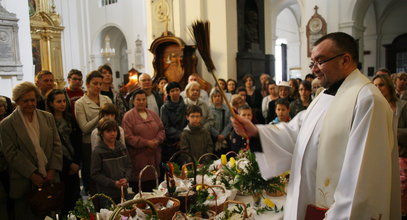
(46, 31)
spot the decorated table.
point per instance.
(229, 187)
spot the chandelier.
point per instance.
(107, 52)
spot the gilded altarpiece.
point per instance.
(46, 31)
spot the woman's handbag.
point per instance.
(48, 198)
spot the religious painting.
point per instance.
(316, 28)
(36, 53)
(172, 62)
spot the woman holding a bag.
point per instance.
(31, 147)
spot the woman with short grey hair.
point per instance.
(31, 147)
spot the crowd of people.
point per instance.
(107, 137)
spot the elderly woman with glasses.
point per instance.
(31, 147)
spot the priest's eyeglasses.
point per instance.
(319, 63)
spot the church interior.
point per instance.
(125, 85)
(247, 36)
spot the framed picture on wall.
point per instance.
(316, 28)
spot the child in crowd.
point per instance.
(222, 127)
(56, 104)
(236, 102)
(238, 142)
(194, 138)
(282, 111)
(108, 110)
(110, 165)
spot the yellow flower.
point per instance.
(232, 162)
(327, 182)
(285, 173)
(223, 159)
(269, 203)
(198, 187)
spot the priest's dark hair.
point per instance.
(344, 43)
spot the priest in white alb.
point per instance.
(341, 150)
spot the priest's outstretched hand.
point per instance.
(244, 127)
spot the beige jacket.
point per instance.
(87, 114)
(20, 154)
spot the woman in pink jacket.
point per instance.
(144, 132)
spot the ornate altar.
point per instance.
(46, 31)
(175, 60)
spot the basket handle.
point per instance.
(175, 155)
(122, 206)
(183, 175)
(245, 215)
(203, 185)
(232, 152)
(103, 196)
(206, 155)
(141, 173)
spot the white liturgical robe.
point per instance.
(368, 181)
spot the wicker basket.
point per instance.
(206, 155)
(245, 215)
(165, 214)
(118, 210)
(140, 193)
(182, 216)
(125, 212)
(218, 207)
(182, 198)
(211, 208)
(197, 216)
(232, 152)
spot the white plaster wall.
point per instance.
(391, 25)
(370, 40)
(20, 8)
(287, 28)
(84, 22)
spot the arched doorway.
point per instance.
(396, 54)
(287, 46)
(114, 37)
